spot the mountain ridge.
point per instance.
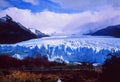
(13, 32)
(109, 31)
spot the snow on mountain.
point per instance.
(38, 33)
(13, 32)
(68, 49)
(5, 19)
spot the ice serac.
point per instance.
(13, 32)
(67, 49)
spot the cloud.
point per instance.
(4, 4)
(33, 2)
(50, 22)
(87, 4)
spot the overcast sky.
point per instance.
(63, 16)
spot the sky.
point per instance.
(63, 16)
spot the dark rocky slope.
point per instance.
(13, 32)
(109, 31)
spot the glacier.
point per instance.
(70, 49)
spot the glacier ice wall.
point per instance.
(68, 49)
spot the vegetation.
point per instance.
(111, 69)
(41, 70)
(8, 62)
(17, 76)
(64, 76)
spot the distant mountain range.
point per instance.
(13, 32)
(108, 31)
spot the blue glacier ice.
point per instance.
(68, 48)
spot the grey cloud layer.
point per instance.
(87, 4)
(50, 22)
(4, 4)
(33, 2)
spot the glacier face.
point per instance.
(67, 48)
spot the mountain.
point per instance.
(13, 32)
(38, 33)
(109, 31)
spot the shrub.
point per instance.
(9, 62)
(111, 69)
(17, 76)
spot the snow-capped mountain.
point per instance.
(68, 49)
(109, 31)
(12, 32)
(38, 33)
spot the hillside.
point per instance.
(13, 32)
(109, 31)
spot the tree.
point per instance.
(111, 69)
